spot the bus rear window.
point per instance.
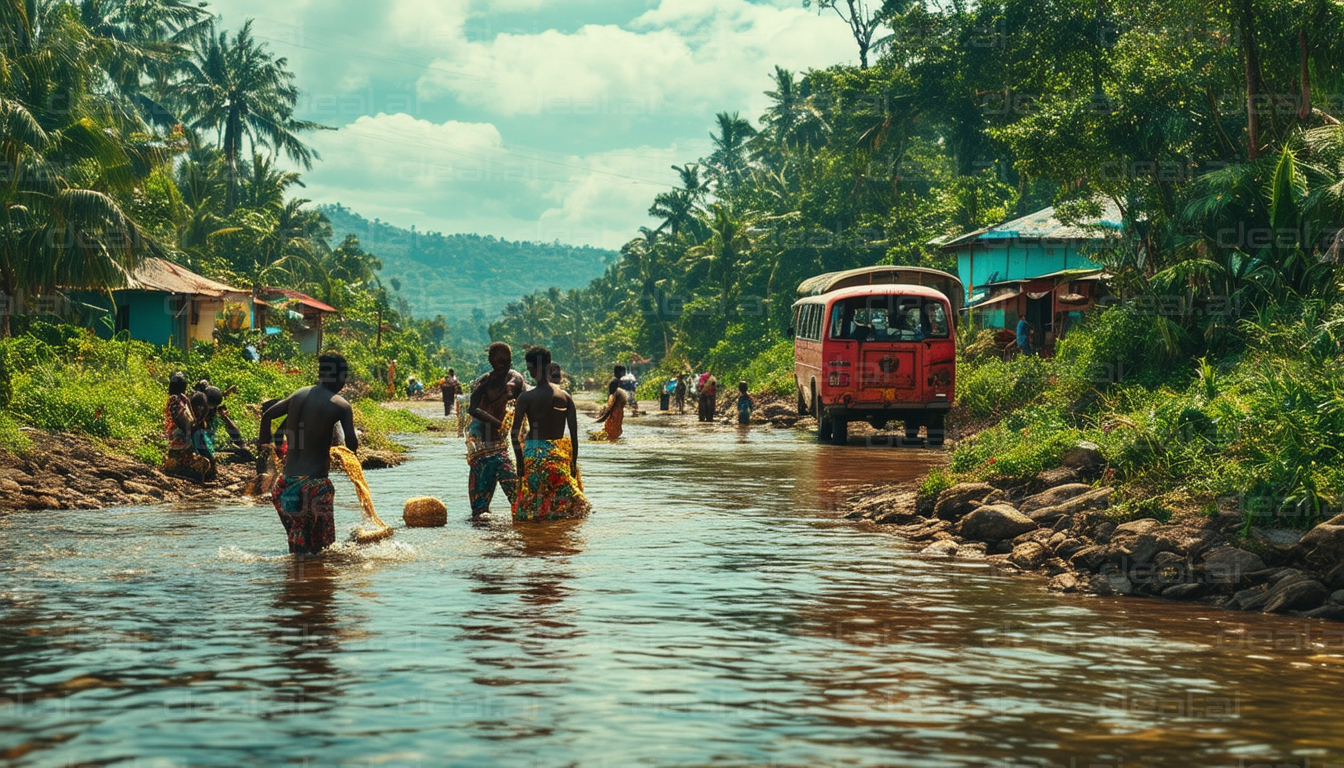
(888, 318)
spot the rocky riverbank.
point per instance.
(1061, 526)
(71, 472)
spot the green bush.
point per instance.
(935, 482)
(989, 386)
(12, 438)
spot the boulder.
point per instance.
(1052, 496)
(942, 548)
(1028, 556)
(1326, 612)
(1337, 596)
(1057, 476)
(1089, 558)
(1295, 594)
(1334, 579)
(1135, 541)
(955, 502)
(1325, 542)
(1249, 599)
(1091, 500)
(1229, 565)
(1067, 582)
(1278, 541)
(897, 517)
(1067, 548)
(1085, 457)
(8, 486)
(995, 522)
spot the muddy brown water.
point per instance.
(713, 611)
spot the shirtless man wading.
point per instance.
(303, 496)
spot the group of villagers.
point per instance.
(516, 440)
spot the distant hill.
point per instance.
(452, 275)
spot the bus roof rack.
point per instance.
(940, 281)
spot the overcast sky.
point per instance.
(526, 119)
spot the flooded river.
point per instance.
(713, 611)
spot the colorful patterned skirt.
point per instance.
(547, 490)
(186, 463)
(305, 506)
(487, 468)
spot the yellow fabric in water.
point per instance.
(372, 528)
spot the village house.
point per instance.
(1035, 267)
(163, 303)
(302, 314)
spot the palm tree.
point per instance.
(240, 90)
(139, 39)
(61, 225)
(729, 159)
(724, 251)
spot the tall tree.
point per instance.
(239, 89)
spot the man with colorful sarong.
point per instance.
(548, 464)
(303, 496)
(487, 447)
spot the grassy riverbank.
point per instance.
(1258, 428)
(63, 380)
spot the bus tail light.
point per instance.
(839, 379)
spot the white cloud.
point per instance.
(683, 57)
(462, 177)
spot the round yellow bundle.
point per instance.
(424, 512)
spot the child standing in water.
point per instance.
(745, 405)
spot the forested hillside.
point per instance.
(462, 275)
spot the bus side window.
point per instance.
(814, 322)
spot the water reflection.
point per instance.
(307, 629)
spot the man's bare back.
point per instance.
(312, 414)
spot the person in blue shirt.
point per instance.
(745, 405)
(1024, 336)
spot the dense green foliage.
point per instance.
(66, 380)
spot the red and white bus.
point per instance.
(877, 345)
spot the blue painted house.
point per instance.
(1035, 267)
(164, 303)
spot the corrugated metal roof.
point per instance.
(302, 298)
(1042, 225)
(155, 274)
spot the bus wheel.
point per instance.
(912, 426)
(935, 430)
(824, 425)
(802, 405)
(839, 431)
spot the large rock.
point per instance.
(1094, 499)
(1085, 457)
(994, 523)
(1325, 542)
(1229, 565)
(1052, 496)
(955, 502)
(1136, 542)
(1295, 594)
(1089, 558)
(1058, 476)
(1028, 556)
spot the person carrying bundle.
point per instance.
(304, 496)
